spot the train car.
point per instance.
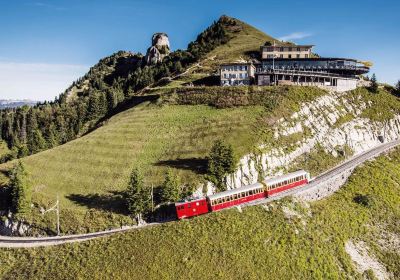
(187, 209)
(286, 182)
(234, 197)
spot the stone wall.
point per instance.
(326, 188)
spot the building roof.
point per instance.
(311, 59)
(235, 191)
(236, 63)
(289, 46)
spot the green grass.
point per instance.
(145, 136)
(254, 244)
(89, 173)
(382, 106)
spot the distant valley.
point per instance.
(4, 103)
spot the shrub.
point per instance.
(364, 200)
(221, 162)
(20, 191)
(171, 187)
(137, 196)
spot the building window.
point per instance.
(290, 56)
(245, 68)
(281, 49)
(298, 49)
(306, 55)
(225, 76)
(281, 56)
(270, 49)
(298, 56)
(290, 49)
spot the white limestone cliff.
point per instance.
(330, 122)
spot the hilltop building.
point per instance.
(295, 65)
(269, 51)
(236, 74)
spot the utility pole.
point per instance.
(152, 198)
(55, 208)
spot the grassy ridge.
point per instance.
(254, 244)
(86, 172)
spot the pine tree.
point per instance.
(94, 106)
(397, 87)
(137, 195)
(374, 84)
(20, 191)
(221, 162)
(170, 188)
(37, 142)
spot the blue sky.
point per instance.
(46, 44)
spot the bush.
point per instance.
(364, 200)
(170, 191)
(221, 162)
(20, 191)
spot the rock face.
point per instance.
(330, 122)
(159, 49)
(9, 227)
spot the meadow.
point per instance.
(262, 242)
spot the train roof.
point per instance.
(189, 201)
(285, 177)
(235, 191)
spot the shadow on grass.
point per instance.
(112, 201)
(197, 165)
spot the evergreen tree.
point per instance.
(20, 191)
(37, 142)
(221, 162)
(94, 106)
(374, 84)
(170, 188)
(397, 87)
(137, 195)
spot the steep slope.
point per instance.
(354, 234)
(88, 173)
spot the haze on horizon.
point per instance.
(46, 45)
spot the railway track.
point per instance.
(27, 242)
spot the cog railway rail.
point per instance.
(27, 242)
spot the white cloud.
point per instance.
(295, 36)
(37, 81)
(50, 6)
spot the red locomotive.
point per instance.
(241, 195)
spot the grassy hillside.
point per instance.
(285, 240)
(88, 173)
(243, 44)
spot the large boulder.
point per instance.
(159, 48)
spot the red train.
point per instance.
(241, 195)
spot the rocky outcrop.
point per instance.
(330, 123)
(11, 227)
(159, 49)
